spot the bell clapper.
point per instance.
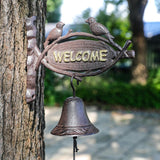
(75, 149)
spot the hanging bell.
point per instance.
(74, 120)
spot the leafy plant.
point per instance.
(120, 93)
(53, 10)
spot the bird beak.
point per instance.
(63, 24)
(87, 21)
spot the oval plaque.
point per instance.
(81, 55)
(84, 57)
(80, 58)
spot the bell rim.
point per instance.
(72, 131)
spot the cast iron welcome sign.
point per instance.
(71, 57)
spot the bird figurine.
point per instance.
(99, 29)
(55, 33)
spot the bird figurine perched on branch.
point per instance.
(99, 29)
(55, 33)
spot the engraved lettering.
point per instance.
(66, 56)
(55, 56)
(94, 56)
(58, 57)
(79, 56)
(85, 56)
(103, 55)
(72, 59)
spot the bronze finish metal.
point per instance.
(31, 59)
(78, 58)
(85, 49)
(54, 33)
(74, 120)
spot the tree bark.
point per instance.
(139, 70)
(21, 125)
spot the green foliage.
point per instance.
(53, 10)
(86, 13)
(49, 83)
(110, 89)
(157, 2)
(55, 89)
(154, 78)
(116, 2)
(119, 27)
(120, 93)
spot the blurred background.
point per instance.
(130, 84)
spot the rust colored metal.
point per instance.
(74, 120)
(55, 33)
(83, 55)
(100, 30)
(82, 34)
(78, 58)
(67, 52)
(31, 59)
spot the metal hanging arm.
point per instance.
(71, 82)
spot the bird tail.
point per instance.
(109, 36)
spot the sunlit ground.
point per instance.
(122, 136)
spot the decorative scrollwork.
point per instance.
(70, 57)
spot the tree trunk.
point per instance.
(21, 125)
(139, 70)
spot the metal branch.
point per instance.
(69, 35)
